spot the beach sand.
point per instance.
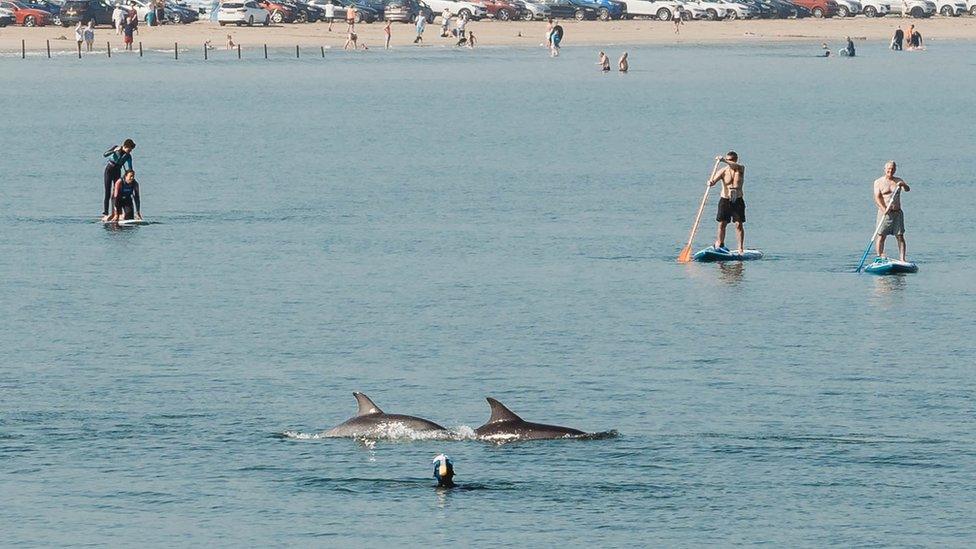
(494, 33)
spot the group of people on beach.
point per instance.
(121, 197)
(126, 22)
(913, 37)
(85, 35)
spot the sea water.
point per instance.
(432, 226)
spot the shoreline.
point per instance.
(496, 33)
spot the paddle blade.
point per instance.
(685, 255)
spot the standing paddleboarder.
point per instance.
(118, 157)
(888, 201)
(731, 205)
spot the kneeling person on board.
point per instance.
(885, 188)
(118, 157)
(731, 204)
(126, 195)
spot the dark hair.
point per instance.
(732, 156)
(129, 143)
(127, 172)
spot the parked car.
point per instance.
(712, 10)
(502, 10)
(532, 11)
(819, 8)
(405, 11)
(6, 17)
(950, 8)
(691, 11)
(304, 13)
(739, 10)
(75, 11)
(917, 8)
(609, 9)
(365, 13)
(280, 13)
(458, 8)
(25, 15)
(243, 13)
(786, 10)
(971, 6)
(664, 10)
(180, 13)
(875, 8)
(48, 6)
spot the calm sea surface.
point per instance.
(433, 226)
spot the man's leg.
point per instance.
(902, 248)
(880, 245)
(720, 243)
(740, 232)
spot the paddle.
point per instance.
(877, 229)
(685, 255)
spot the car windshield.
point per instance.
(231, 5)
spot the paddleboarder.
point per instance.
(731, 205)
(888, 201)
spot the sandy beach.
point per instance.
(493, 33)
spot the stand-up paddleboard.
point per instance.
(127, 222)
(712, 253)
(885, 266)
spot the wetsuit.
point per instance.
(127, 197)
(557, 35)
(899, 38)
(113, 171)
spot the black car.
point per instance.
(795, 11)
(6, 20)
(83, 11)
(572, 9)
(303, 12)
(405, 11)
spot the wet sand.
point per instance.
(492, 33)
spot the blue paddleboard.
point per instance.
(885, 266)
(712, 253)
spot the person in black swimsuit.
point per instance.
(126, 195)
(118, 157)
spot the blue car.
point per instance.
(609, 9)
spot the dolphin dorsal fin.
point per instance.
(366, 405)
(500, 413)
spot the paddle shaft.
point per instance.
(701, 207)
(877, 229)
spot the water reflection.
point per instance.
(885, 286)
(731, 273)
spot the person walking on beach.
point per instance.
(118, 17)
(678, 20)
(897, 39)
(445, 23)
(351, 18)
(885, 195)
(731, 204)
(90, 36)
(604, 62)
(387, 34)
(128, 30)
(330, 14)
(549, 27)
(118, 157)
(623, 65)
(79, 35)
(461, 25)
(555, 38)
(421, 25)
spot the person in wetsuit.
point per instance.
(850, 48)
(897, 39)
(117, 158)
(126, 195)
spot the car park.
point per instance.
(181, 14)
(502, 10)
(819, 8)
(664, 10)
(535, 11)
(712, 10)
(365, 13)
(458, 8)
(610, 9)
(48, 6)
(26, 16)
(917, 8)
(848, 8)
(405, 11)
(280, 12)
(7, 17)
(242, 13)
(83, 11)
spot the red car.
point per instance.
(279, 12)
(500, 9)
(819, 8)
(26, 15)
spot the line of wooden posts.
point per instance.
(176, 50)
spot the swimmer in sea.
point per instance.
(623, 65)
(604, 62)
(444, 471)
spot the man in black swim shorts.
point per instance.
(732, 204)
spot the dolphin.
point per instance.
(370, 420)
(504, 424)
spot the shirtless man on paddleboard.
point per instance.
(894, 221)
(731, 205)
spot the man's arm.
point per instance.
(719, 175)
(879, 199)
(904, 186)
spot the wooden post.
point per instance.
(48, 49)
(204, 51)
(176, 50)
(140, 49)
(23, 49)
(79, 50)
(108, 46)
(238, 51)
(323, 52)
(296, 53)
(265, 51)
